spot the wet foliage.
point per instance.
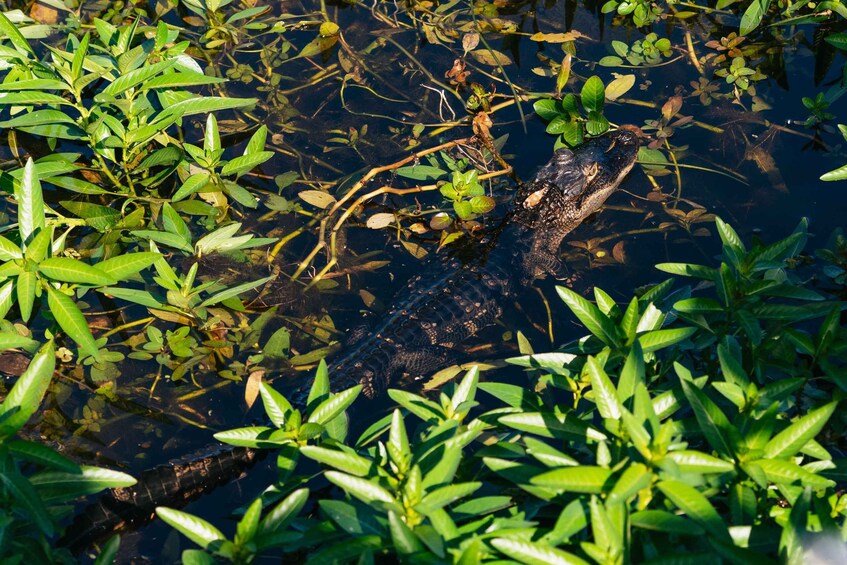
(201, 196)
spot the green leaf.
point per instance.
(662, 521)
(634, 479)
(421, 407)
(728, 235)
(233, 292)
(9, 251)
(58, 486)
(206, 104)
(549, 456)
(404, 539)
(180, 79)
(697, 462)
(560, 426)
(363, 489)
(604, 394)
(31, 98)
(195, 183)
(753, 16)
(713, 423)
(593, 94)
(248, 525)
(37, 118)
(689, 270)
(446, 495)
(513, 395)
(65, 269)
(98, 217)
(546, 108)
(277, 407)
(30, 203)
(660, 339)
(109, 550)
(590, 316)
(785, 473)
(251, 436)
(27, 497)
(421, 172)
(353, 518)
(583, 479)
(26, 288)
(42, 455)
(26, 394)
(173, 223)
(245, 163)
(282, 514)
(696, 506)
(533, 553)
(836, 174)
(10, 30)
(790, 440)
(342, 460)
(132, 79)
(124, 266)
(71, 320)
(196, 529)
(332, 407)
(398, 442)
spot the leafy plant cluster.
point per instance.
(124, 97)
(36, 482)
(688, 424)
(571, 118)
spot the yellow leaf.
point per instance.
(556, 37)
(619, 86)
(251, 391)
(490, 57)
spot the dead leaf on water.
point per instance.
(619, 253)
(470, 41)
(251, 390)
(317, 198)
(44, 14)
(491, 57)
(367, 297)
(556, 37)
(380, 220)
(416, 250)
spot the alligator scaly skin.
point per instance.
(435, 311)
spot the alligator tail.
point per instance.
(172, 484)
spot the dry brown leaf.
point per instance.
(251, 390)
(367, 297)
(44, 14)
(380, 220)
(317, 198)
(416, 250)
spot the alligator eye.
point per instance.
(591, 171)
(533, 199)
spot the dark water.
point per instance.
(161, 426)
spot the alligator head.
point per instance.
(575, 183)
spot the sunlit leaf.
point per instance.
(71, 320)
(26, 394)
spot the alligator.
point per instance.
(433, 314)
